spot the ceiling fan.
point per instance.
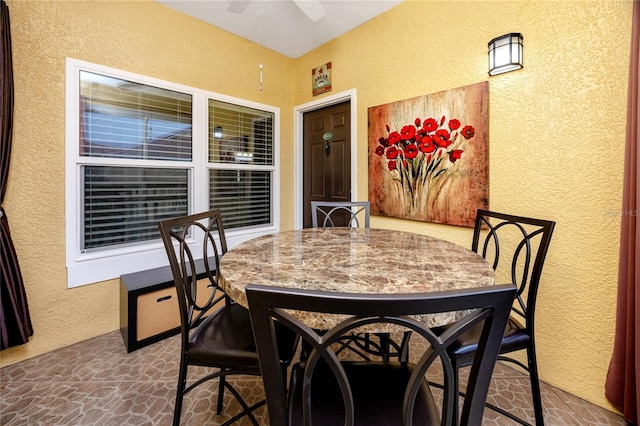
(312, 8)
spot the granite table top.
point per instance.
(353, 260)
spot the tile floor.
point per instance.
(97, 383)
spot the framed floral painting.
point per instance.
(428, 156)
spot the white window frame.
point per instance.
(87, 268)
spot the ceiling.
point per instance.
(281, 25)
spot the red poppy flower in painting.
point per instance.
(423, 152)
(394, 138)
(454, 155)
(426, 145)
(392, 152)
(441, 141)
(468, 132)
(444, 134)
(384, 142)
(407, 133)
(411, 151)
(430, 125)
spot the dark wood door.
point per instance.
(327, 156)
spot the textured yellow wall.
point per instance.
(556, 138)
(138, 36)
(557, 131)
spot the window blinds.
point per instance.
(122, 119)
(241, 139)
(124, 204)
(243, 196)
(126, 120)
(245, 135)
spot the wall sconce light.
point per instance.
(217, 132)
(505, 53)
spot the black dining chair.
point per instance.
(327, 390)
(517, 247)
(216, 332)
(330, 214)
(340, 213)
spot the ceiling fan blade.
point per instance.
(238, 6)
(312, 8)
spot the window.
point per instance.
(121, 119)
(140, 150)
(242, 156)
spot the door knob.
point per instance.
(327, 138)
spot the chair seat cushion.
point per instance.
(378, 391)
(225, 340)
(515, 338)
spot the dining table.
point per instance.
(353, 260)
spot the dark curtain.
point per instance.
(15, 323)
(622, 387)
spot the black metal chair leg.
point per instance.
(455, 410)
(221, 384)
(535, 385)
(182, 383)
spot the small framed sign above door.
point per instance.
(321, 79)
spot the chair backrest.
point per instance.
(488, 304)
(516, 247)
(331, 214)
(194, 245)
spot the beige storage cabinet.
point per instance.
(157, 312)
(149, 309)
